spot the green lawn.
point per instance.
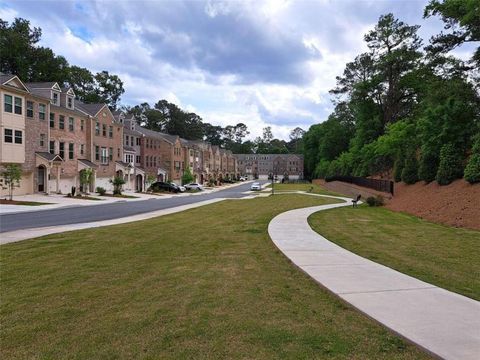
(303, 187)
(444, 256)
(204, 283)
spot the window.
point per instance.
(110, 131)
(61, 122)
(52, 147)
(118, 153)
(71, 123)
(129, 158)
(104, 130)
(42, 140)
(30, 109)
(70, 151)
(82, 124)
(18, 105)
(97, 153)
(8, 103)
(82, 149)
(8, 138)
(138, 141)
(110, 154)
(138, 159)
(104, 157)
(70, 102)
(97, 128)
(42, 109)
(61, 149)
(55, 98)
(18, 136)
(52, 120)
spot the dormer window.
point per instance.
(70, 102)
(55, 98)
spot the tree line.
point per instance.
(404, 110)
(21, 55)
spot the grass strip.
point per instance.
(444, 256)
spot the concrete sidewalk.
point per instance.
(443, 323)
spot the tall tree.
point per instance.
(462, 20)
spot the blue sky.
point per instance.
(263, 63)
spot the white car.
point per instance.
(182, 188)
(256, 186)
(194, 186)
(243, 178)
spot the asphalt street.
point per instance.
(84, 214)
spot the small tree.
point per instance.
(398, 168)
(86, 177)
(117, 182)
(11, 176)
(428, 167)
(450, 166)
(410, 170)
(187, 176)
(472, 171)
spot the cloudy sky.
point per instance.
(258, 62)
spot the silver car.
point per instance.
(256, 186)
(194, 186)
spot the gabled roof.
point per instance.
(88, 163)
(42, 85)
(48, 156)
(6, 80)
(89, 109)
(158, 135)
(68, 90)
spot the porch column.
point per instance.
(47, 179)
(94, 181)
(58, 178)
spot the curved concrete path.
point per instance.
(444, 323)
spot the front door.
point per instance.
(41, 179)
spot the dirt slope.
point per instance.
(457, 204)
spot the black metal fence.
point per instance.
(379, 185)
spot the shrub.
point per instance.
(472, 170)
(187, 176)
(101, 190)
(398, 168)
(117, 183)
(450, 166)
(428, 166)
(375, 201)
(410, 170)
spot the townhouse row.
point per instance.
(262, 166)
(56, 139)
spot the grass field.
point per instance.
(444, 256)
(315, 189)
(205, 283)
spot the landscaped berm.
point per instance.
(205, 283)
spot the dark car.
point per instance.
(163, 186)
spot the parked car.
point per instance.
(256, 186)
(160, 185)
(243, 178)
(194, 186)
(180, 187)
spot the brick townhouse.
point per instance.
(54, 137)
(135, 179)
(263, 165)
